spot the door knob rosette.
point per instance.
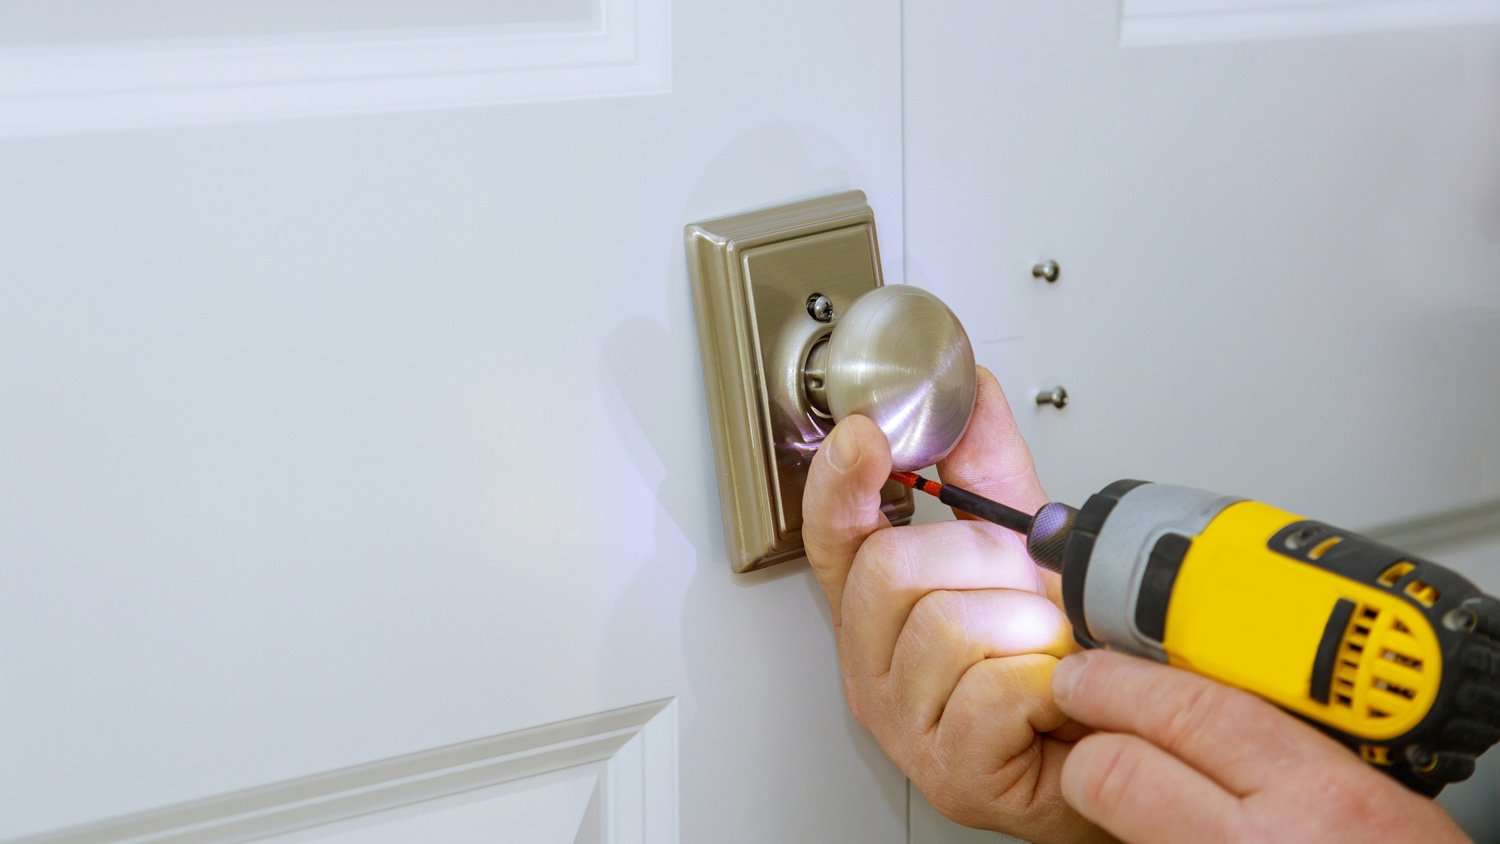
(796, 331)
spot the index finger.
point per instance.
(1240, 741)
(993, 459)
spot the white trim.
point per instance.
(1473, 523)
(89, 87)
(637, 747)
(1144, 23)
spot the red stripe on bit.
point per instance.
(906, 478)
(917, 482)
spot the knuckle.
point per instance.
(1107, 777)
(1199, 713)
(939, 616)
(883, 560)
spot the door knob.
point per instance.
(900, 357)
(797, 330)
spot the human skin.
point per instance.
(949, 641)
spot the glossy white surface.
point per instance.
(78, 83)
(1158, 22)
(333, 439)
(1280, 261)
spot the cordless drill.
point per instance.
(1393, 655)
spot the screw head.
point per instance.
(1460, 619)
(820, 307)
(1048, 271)
(1057, 397)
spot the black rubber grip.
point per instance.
(1326, 658)
(1080, 549)
(1155, 595)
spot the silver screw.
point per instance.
(1057, 397)
(1047, 271)
(1460, 619)
(820, 307)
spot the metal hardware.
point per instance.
(1460, 618)
(752, 275)
(820, 307)
(815, 378)
(1057, 397)
(1047, 271)
(901, 358)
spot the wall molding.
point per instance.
(1145, 23)
(1476, 522)
(68, 88)
(635, 749)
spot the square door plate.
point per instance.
(752, 277)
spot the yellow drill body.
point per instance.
(1254, 618)
(1393, 655)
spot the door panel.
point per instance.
(334, 439)
(1279, 241)
(1279, 258)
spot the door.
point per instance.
(355, 475)
(1277, 225)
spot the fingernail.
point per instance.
(843, 450)
(1065, 676)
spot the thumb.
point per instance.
(841, 503)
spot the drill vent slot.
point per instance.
(1323, 547)
(1392, 575)
(1377, 670)
(1401, 659)
(1425, 593)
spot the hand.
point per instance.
(1185, 759)
(947, 633)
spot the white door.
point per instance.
(355, 479)
(353, 448)
(1277, 224)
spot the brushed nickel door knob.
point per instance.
(900, 357)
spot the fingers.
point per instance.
(1141, 793)
(896, 567)
(992, 459)
(1239, 741)
(950, 632)
(970, 732)
(841, 502)
(996, 768)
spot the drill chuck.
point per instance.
(1047, 537)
